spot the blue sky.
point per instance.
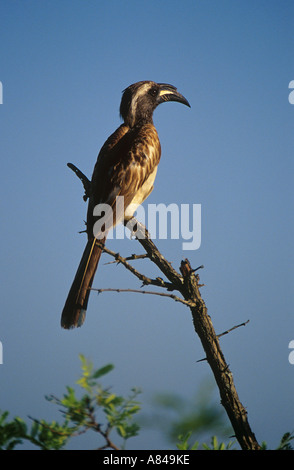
(63, 66)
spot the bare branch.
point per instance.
(233, 328)
(86, 182)
(145, 280)
(162, 294)
(131, 257)
(156, 257)
(224, 333)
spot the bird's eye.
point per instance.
(153, 91)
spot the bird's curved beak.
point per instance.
(170, 93)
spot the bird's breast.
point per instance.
(140, 196)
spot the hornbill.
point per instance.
(126, 166)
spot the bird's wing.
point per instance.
(126, 167)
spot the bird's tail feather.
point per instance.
(74, 311)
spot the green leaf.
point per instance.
(183, 443)
(35, 428)
(121, 431)
(285, 443)
(102, 371)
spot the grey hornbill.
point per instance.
(126, 166)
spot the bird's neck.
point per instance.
(139, 120)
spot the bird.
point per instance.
(126, 167)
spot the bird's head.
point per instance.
(140, 100)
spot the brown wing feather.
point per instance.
(126, 161)
(126, 166)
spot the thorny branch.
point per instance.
(233, 328)
(145, 280)
(131, 257)
(186, 282)
(136, 291)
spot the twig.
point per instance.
(233, 328)
(225, 333)
(86, 182)
(162, 294)
(145, 280)
(131, 257)
(109, 444)
(154, 254)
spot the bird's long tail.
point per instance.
(74, 311)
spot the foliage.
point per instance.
(285, 443)
(100, 410)
(79, 416)
(183, 444)
(196, 417)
